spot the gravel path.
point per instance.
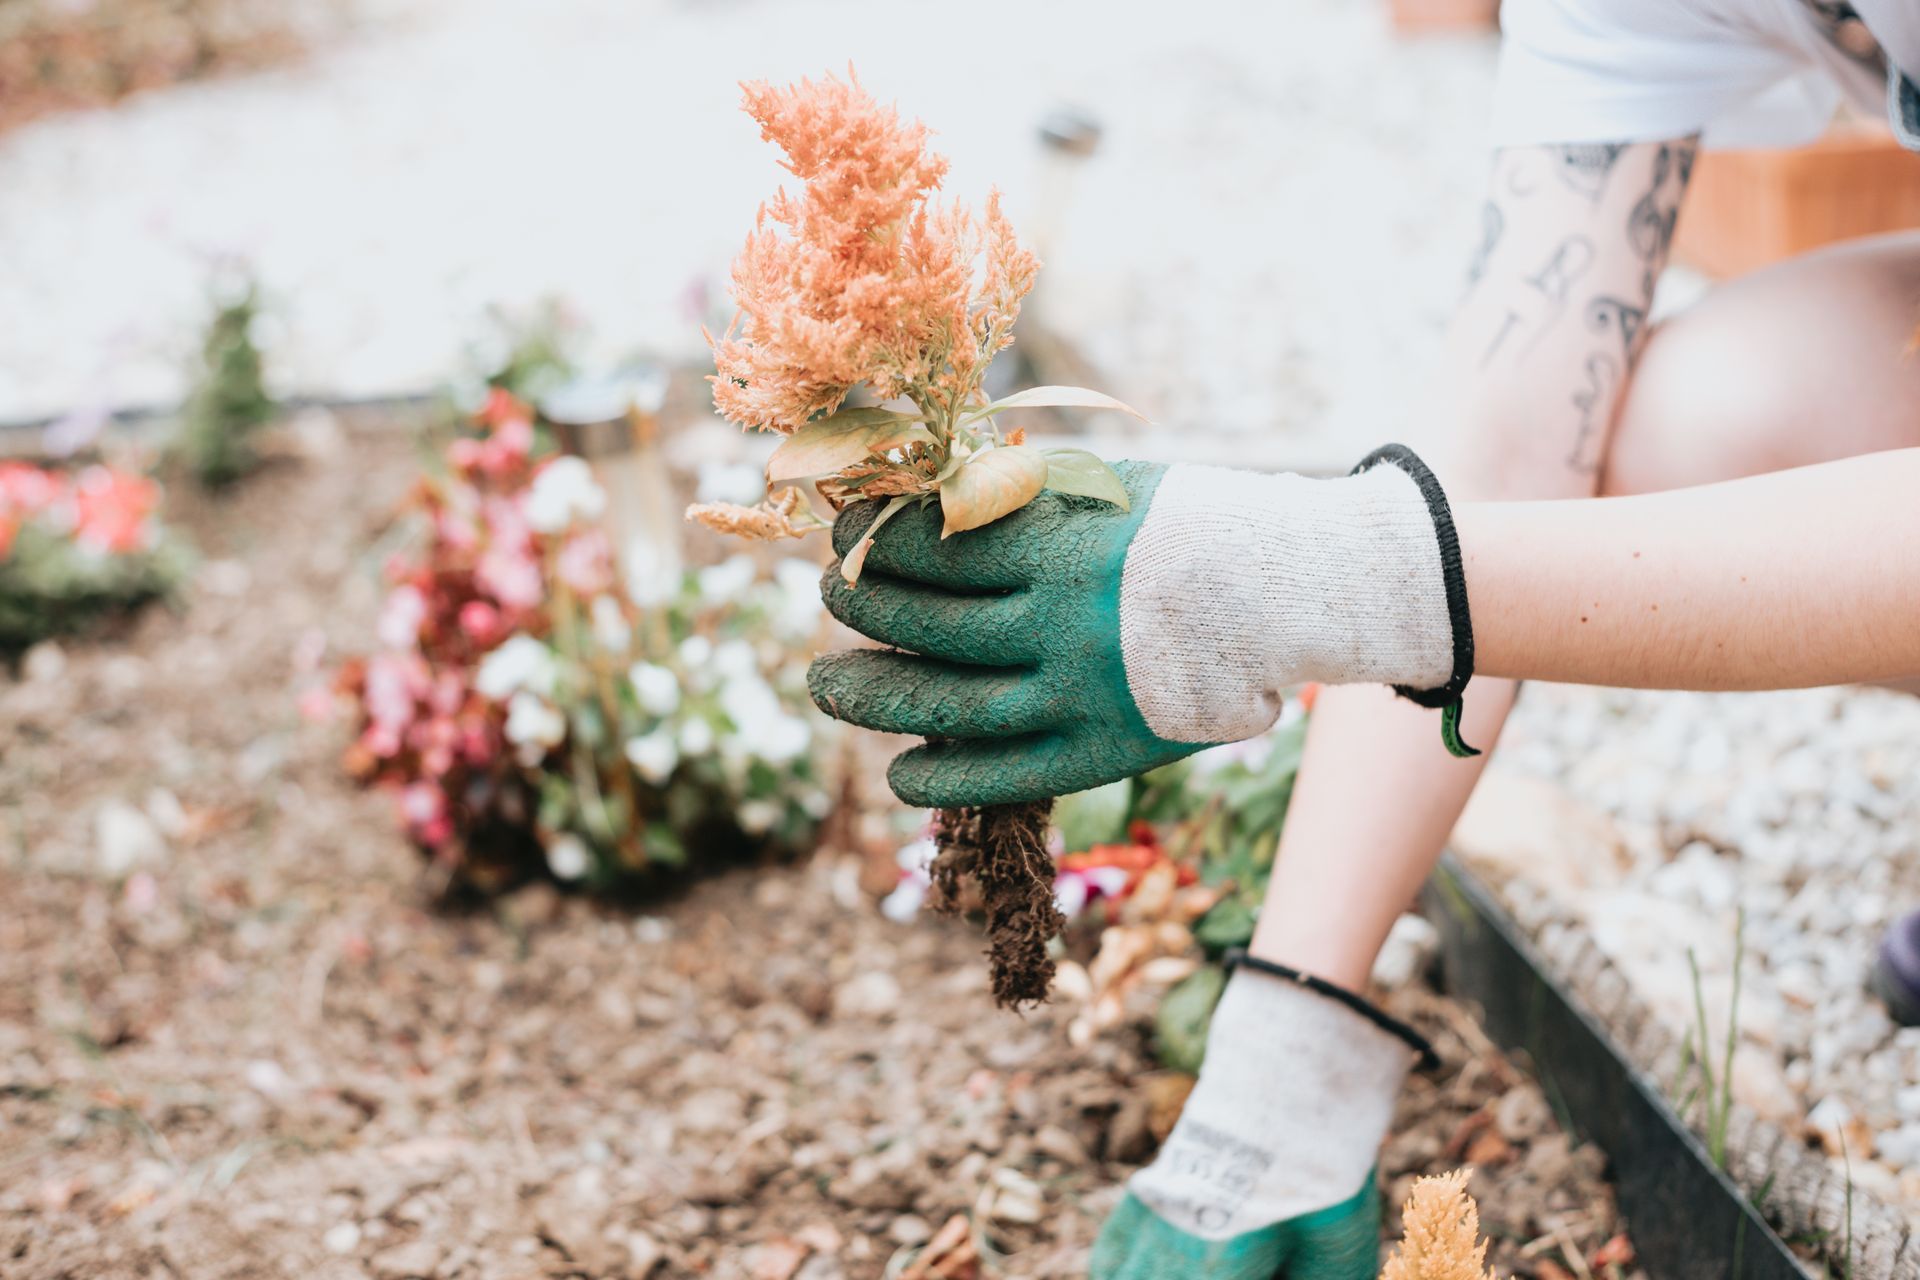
(1269, 236)
(1800, 810)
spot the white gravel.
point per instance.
(1801, 810)
(1260, 254)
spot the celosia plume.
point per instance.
(1440, 1226)
(861, 277)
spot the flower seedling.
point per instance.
(865, 281)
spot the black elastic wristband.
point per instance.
(1237, 958)
(1452, 572)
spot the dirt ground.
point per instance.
(238, 1040)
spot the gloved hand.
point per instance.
(1270, 1170)
(1071, 644)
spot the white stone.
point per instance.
(125, 839)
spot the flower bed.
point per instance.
(60, 56)
(532, 700)
(74, 547)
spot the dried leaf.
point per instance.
(856, 559)
(1056, 397)
(826, 445)
(1078, 472)
(991, 485)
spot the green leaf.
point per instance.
(1087, 818)
(1184, 1016)
(1229, 924)
(1079, 472)
(826, 445)
(1055, 397)
(991, 485)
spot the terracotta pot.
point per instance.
(1746, 209)
(1445, 15)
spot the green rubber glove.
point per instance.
(1341, 1242)
(1073, 643)
(1016, 671)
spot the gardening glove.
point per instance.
(1270, 1170)
(1072, 643)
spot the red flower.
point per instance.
(112, 508)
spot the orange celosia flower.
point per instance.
(1441, 1226)
(861, 277)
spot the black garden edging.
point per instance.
(1689, 1221)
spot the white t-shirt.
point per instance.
(1744, 72)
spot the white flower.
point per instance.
(650, 580)
(695, 652)
(696, 737)
(903, 904)
(610, 629)
(785, 738)
(563, 493)
(653, 756)
(657, 688)
(758, 816)
(520, 663)
(734, 659)
(738, 482)
(568, 856)
(532, 721)
(400, 617)
(797, 614)
(815, 803)
(722, 583)
(751, 704)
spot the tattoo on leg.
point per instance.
(1492, 223)
(1603, 313)
(1584, 167)
(1593, 402)
(1650, 225)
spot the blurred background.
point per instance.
(418, 854)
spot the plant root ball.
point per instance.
(1002, 850)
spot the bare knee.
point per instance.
(1804, 362)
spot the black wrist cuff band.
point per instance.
(1237, 958)
(1453, 581)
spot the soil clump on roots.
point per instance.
(1002, 851)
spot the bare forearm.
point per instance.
(1804, 577)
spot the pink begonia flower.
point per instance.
(423, 806)
(478, 746)
(27, 489)
(400, 617)
(112, 509)
(1074, 891)
(448, 694)
(317, 705)
(480, 622)
(466, 453)
(381, 741)
(391, 694)
(512, 578)
(9, 528)
(585, 563)
(455, 526)
(508, 446)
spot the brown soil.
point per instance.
(259, 1051)
(1000, 852)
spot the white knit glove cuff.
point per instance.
(1239, 585)
(1294, 1099)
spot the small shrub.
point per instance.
(229, 401)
